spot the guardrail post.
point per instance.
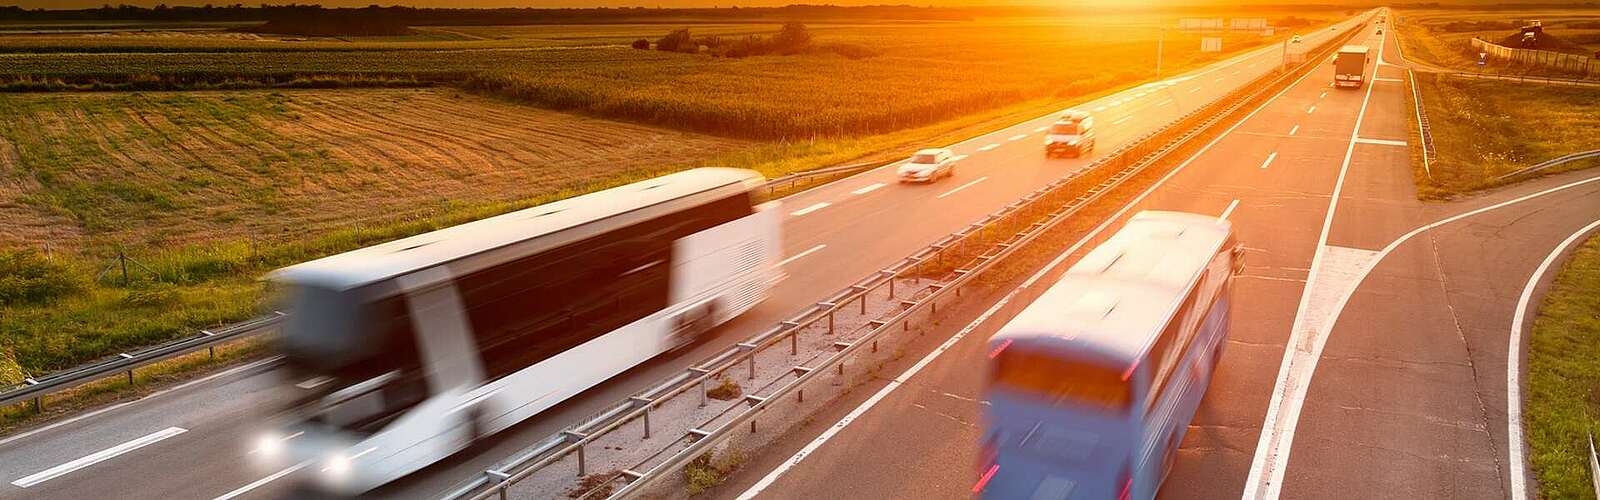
(830, 322)
(794, 342)
(38, 404)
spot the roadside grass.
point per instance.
(1443, 37)
(1483, 129)
(1563, 402)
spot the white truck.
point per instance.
(1072, 135)
(1349, 65)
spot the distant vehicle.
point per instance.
(1072, 135)
(403, 353)
(1091, 387)
(1295, 39)
(1349, 65)
(1380, 31)
(928, 165)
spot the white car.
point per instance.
(928, 165)
(1296, 39)
(1073, 136)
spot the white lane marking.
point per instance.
(1324, 94)
(797, 256)
(1376, 79)
(989, 147)
(813, 208)
(828, 434)
(1229, 210)
(963, 186)
(1042, 129)
(1381, 142)
(185, 385)
(99, 456)
(958, 157)
(1293, 130)
(1114, 103)
(1513, 364)
(1270, 157)
(1193, 90)
(260, 482)
(1018, 137)
(1219, 79)
(868, 188)
(1120, 120)
(1164, 103)
(1299, 361)
(1141, 94)
(1098, 109)
(1310, 110)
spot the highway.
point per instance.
(1409, 307)
(195, 441)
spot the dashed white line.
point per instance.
(989, 147)
(1164, 103)
(1293, 130)
(1120, 120)
(259, 482)
(99, 456)
(1018, 137)
(797, 256)
(1311, 110)
(868, 188)
(1229, 210)
(1042, 129)
(1324, 94)
(1193, 90)
(1270, 157)
(813, 208)
(963, 186)
(1098, 109)
(1114, 103)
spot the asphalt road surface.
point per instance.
(195, 441)
(1369, 351)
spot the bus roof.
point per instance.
(1116, 299)
(1354, 49)
(648, 199)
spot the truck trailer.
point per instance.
(1349, 66)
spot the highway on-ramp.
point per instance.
(196, 440)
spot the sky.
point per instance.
(75, 4)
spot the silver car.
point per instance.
(928, 165)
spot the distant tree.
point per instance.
(792, 38)
(641, 44)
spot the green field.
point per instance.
(176, 179)
(1563, 405)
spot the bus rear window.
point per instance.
(1061, 380)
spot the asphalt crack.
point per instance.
(1477, 392)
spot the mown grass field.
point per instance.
(210, 189)
(1483, 129)
(1563, 405)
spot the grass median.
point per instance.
(1563, 405)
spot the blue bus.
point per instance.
(1091, 387)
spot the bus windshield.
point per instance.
(1060, 380)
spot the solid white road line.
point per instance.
(1018, 137)
(259, 482)
(1270, 157)
(1229, 210)
(963, 186)
(989, 147)
(813, 208)
(1381, 142)
(797, 256)
(99, 456)
(1123, 119)
(185, 385)
(1310, 110)
(1519, 489)
(1293, 130)
(868, 188)
(833, 430)
(1376, 79)
(1299, 361)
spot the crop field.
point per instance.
(199, 165)
(1442, 36)
(208, 189)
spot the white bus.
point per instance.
(404, 353)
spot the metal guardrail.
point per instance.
(1102, 175)
(1558, 61)
(1531, 169)
(37, 389)
(1424, 128)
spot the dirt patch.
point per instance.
(187, 167)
